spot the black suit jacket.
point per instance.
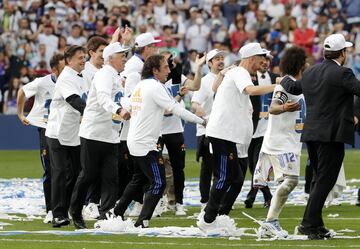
(329, 96)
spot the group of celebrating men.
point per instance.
(105, 124)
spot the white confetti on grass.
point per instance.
(25, 196)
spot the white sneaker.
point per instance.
(272, 229)
(179, 210)
(203, 206)
(91, 211)
(206, 227)
(160, 207)
(48, 218)
(221, 225)
(136, 209)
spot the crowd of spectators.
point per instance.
(31, 31)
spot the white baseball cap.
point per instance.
(145, 39)
(336, 42)
(113, 48)
(213, 53)
(252, 49)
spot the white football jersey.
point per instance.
(284, 130)
(149, 101)
(265, 104)
(103, 101)
(64, 120)
(132, 76)
(42, 89)
(172, 123)
(230, 118)
(89, 73)
(205, 97)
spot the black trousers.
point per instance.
(148, 169)
(206, 169)
(126, 172)
(65, 167)
(308, 176)
(326, 160)
(228, 179)
(253, 156)
(176, 149)
(45, 161)
(98, 161)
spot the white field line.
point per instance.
(175, 244)
(235, 218)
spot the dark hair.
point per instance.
(293, 61)
(330, 55)
(153, 62)
(55, 60)
(11, 89)
(139, 50)
(71, 51)
(95, 42)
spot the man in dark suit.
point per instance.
(328, 89)
(357, 127)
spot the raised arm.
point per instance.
(194, 85)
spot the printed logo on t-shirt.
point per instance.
(117, 100)
(299, 125)
(47, 107)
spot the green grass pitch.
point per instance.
(23, 164)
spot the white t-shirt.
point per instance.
(64, 120)
(230, 118)
(43, 89)
(265, 104)
(205, 97)
(88, 73)
(132, 76)
(103, 101)
(171, 123)
(149, 101)
(284, 130)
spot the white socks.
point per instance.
(280, 197)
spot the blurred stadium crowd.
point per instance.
(31, 31)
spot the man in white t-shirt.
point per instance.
(145, 46)
(42, 89)
(100, 134)
(62, 132)
(260, 119)
(149, 101)
(281, 148)
(202, 102)
(230, 122)
(95, 47)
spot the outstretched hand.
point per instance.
(199, 61)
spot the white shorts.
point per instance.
(282, 165)
(242, 150)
